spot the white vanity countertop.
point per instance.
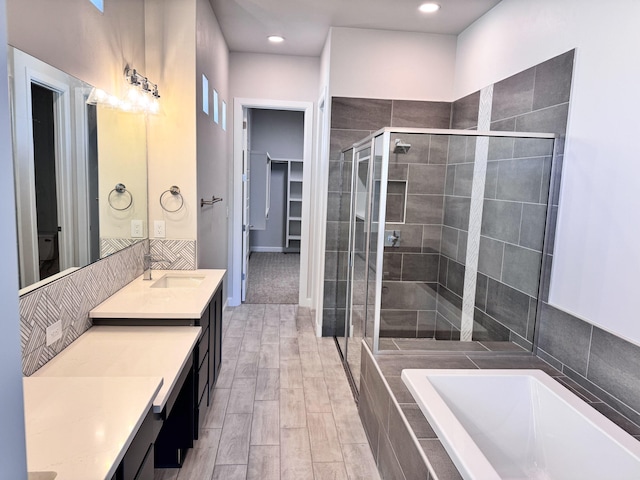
(81, 428)
(106, 351)
(139, 299)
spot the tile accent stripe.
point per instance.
(475, 215)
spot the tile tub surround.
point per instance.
(604, 364)
(70, 299)
(401, 439)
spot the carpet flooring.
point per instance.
(273, 278)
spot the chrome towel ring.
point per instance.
(175, 193)
(119, 189)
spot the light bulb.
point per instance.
(154, 107)
(101, 95)
(429, 7)
(113, 101)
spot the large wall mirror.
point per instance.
(80, 172)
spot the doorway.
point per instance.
(275, 148)
(44, 161)
(293, 232)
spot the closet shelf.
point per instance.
(294, 205)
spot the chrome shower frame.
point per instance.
(386, 133)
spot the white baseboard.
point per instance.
(267, 249)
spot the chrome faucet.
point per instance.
(146, 266)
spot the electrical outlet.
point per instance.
(54, 332)
(158, 229)
(136, 228)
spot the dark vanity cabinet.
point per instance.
(215, 360)
(137, 463)
(177, 430)
(187, 407)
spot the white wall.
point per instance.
(170, 39)
(81, 41)
(213, 168)
(122, 150)
(274, 80)
(12, 440)
(274, 77)
(389, 64)
(596, 257)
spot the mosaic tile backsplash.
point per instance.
(109, 246)
(70, 299)
(173, 254)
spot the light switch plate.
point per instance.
(158, 229)
(136, 228)
(54, 332)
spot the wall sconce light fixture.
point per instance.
(141, 95)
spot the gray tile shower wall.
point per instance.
(410, 275)
(353, 119)
(455, 220)
(70, 299)
(516, 194)
(606, 365)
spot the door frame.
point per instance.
(239, 104)
(70, 168)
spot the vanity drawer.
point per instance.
(146, 471)
(204, 320)
(201, 413)
(203, 374)
(139, 449)
(203, 347)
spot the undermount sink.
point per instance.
(178, 281)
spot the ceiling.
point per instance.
(305, 23)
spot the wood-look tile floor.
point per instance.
(282, 406)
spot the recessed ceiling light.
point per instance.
(275, 38)
(429, 7)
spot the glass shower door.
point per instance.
(357, 259)
(341, 272)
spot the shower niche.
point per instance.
(446, 241)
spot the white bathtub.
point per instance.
(521, 424)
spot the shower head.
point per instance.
(401, 147)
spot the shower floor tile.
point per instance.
(415, 345)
